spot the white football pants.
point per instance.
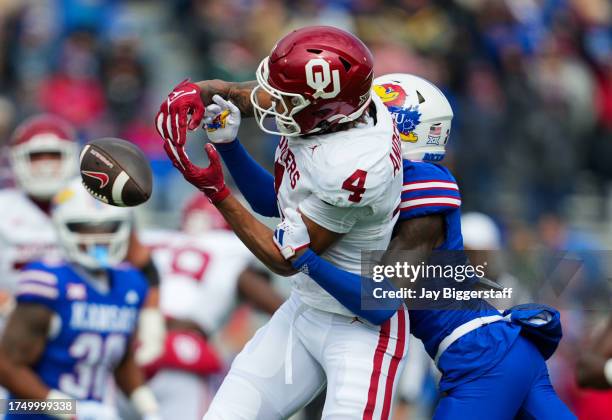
(289, 360)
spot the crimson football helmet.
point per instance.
(200, 215)
(317, 76)
(44, 155)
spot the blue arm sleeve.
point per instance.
(253, 181)
(350, 289)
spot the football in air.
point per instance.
(116, 172)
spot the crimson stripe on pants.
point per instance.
(383, 341)
(397, 357)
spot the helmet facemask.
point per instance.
(92, 234)
(285, 123)
(95, 245)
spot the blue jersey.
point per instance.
(90, 331)
(431, 189)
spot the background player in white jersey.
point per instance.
(205, 272)
(44, 157)
(340, 161)
(75, 319)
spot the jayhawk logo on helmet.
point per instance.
(391, 94)
(407, 119)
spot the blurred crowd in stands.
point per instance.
(530, 82)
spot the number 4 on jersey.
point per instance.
(355, 184)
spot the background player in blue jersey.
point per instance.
(490, 370)
(75, 320)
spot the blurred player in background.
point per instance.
(44, 156)
(595, 365)
(594, 373)
(75, 320)
(483, 243)
(339, 159)
(205, 271)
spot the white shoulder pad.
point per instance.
(354, 168)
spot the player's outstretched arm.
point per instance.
(184, 107)
(254, 234)
(237, 92)
(594, 368)
(22, 344)
(259, 238)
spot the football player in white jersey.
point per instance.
(339, 162)
(43, 153)
(205, 272)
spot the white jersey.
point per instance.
(348, 182)
(26, 234)
(199, 275)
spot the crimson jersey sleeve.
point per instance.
(428, 189)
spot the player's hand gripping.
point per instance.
(291, 235)
(181, 110)
(221, 120)
(209, 180)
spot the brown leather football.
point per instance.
(116, 172)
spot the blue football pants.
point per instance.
(518, 387)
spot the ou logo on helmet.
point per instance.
(319, 76)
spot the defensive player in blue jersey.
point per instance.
(75, 319)
(490, 368)
(493, 365)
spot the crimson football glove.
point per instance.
(209, 180)
(172, 119)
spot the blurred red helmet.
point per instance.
(200, 215)
(318, 76)
(43, 152)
